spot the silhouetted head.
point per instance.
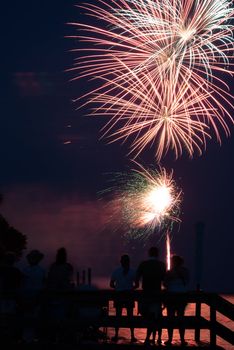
(61, 256)
(125, 260)
(176, 261)
(34, 257)
(153, 252)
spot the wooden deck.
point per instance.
(122, 345)
(68, 332)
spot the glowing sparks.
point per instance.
(148, 200)
(156, 202)
(158, 48)
(139, 31)
(186, 34)
(172, 118)
(159, 199)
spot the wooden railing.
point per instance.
(101, 299)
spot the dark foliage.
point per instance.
(11, 239)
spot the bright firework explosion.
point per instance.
(177, 41)
(148, 200)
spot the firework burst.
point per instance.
(146, 45)
(172, 118)
(151, 35)
(148, 201)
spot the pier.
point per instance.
(87, 310)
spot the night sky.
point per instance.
(53, 163)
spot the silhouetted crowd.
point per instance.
(22, 297)
(153, 275)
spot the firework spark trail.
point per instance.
(172, 118)
(153, 35)
(150, 34)
(148, 44)
(168, 250)
(148, 200)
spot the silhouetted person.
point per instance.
(10, 282)
(176, 281)
(152, 273)
(34, 274)
(60, 274)
(33, 283)
(123, 279)
(60, 278)
(10, 276)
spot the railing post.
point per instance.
(83, 277)
(212, 324)
(199, 229)
(89, 276)
(77, 278)
(198, 315)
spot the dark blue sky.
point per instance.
(36, 114)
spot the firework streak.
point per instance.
(168, 250)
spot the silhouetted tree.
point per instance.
(10, 238)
